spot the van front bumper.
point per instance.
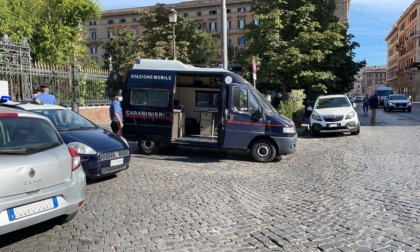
(286, 145)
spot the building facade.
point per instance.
(205, 13)
(403, 53)
(372, 77)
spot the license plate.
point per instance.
(117, 161)
(333, 125)
(33, 208)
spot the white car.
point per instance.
(334, 114)
(397, 102)
(41, 178)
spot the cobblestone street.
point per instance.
(336, 193)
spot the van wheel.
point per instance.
(263, 151)
(148, 147)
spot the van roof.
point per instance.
(171, 65)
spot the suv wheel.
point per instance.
(385, 109)
(313, 132)
(357, 132)
(409, 109)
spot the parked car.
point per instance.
(41, 178)
(103, 153)
(397, 102)
(359, 98)
(334, 114)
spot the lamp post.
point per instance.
(75, 77)
(111, 75)
(173, 15)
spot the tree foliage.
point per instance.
(294, 42)
(192, 45)
(53, 28)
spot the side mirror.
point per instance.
(309, 108)
(256, 115)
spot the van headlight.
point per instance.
(289, 130)
(350, 115)
(316, 117)
(82, 148)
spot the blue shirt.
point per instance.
(115, 107)
(46, 98)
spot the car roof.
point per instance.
(32, 105)
(21, 113)
(330, 96)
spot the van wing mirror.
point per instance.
(256, 115)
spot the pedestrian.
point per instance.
(115, 113)
(373, 104)
(45, 97)
(366, 104)
(36, 93)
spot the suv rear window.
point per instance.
(26, 135)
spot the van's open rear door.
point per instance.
(148, 105)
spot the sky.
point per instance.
(370, 21)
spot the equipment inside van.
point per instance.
(383, 93)
(168, 102)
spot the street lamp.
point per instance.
(173, 15)
(110, 75)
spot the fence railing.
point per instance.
(70, 84)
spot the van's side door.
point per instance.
(244, 119)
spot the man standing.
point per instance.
(373, 104)
(45, 97)
(115, 113)
(366, 104)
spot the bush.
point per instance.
(293, 107)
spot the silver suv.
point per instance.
(40, 176)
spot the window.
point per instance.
(93, 50)
(150, 97)
(110, 21)
(241, 23)
(213, 12)
(93, 35)
(229, 24)
(92, 23)
(256, 22)
(110, 33)
(229, 41)
(199, 25)
(134, 29)
(185, 14)
(242, 9)
(241, 41)
(213, 25)
(199, 13)
(123, 20)
(206, 99)
(239, 99)
(228, 11)
(134, 19)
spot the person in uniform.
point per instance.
(115, 113)
(45, 97)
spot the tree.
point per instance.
(293, 41)
(192, 45)
(124, 47)
(53, 28)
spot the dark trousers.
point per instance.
(115, 126)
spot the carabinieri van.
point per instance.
(168, 102)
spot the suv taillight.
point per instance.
(75, 159)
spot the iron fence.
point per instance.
(71, 84)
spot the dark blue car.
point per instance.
(103, 153)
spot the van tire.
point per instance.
(148, 147)
(263, 151)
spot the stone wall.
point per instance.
(97, 114)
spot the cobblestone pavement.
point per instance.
(336, 193)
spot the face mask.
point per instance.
(120, 99)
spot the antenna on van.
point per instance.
(138, 60)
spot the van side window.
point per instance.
(150, 97)
(239, 99)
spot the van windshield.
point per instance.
(384, 92)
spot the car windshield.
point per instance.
(397, 97)
(26, 135)
(332, 102)
(65, 119)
